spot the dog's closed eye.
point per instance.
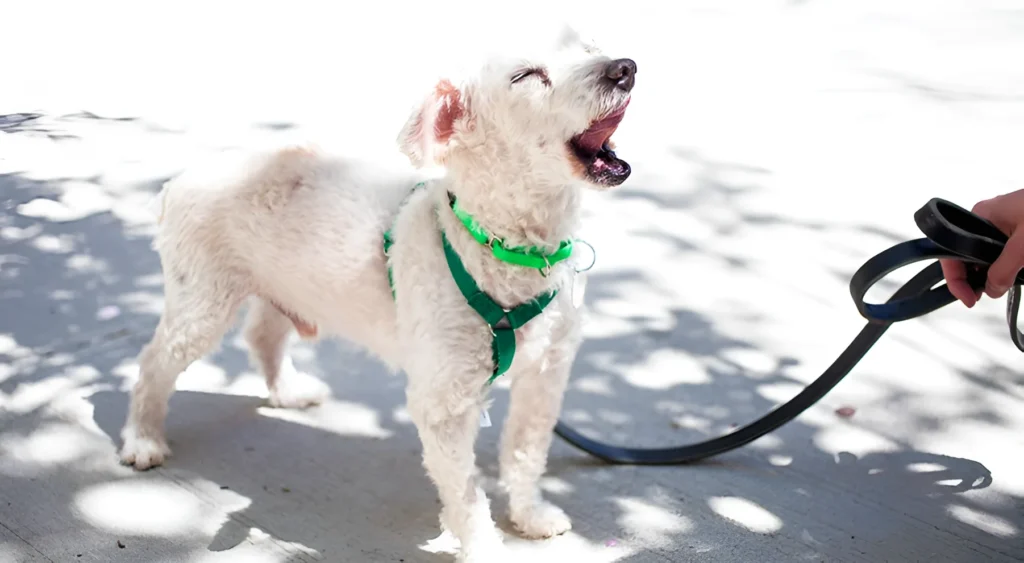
(537, 71)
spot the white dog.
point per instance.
(301, 236)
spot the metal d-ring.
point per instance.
(593, 253)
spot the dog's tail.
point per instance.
(161, 206)
(158, 205)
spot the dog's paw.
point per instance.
(541, 520)
(297, 390)
(143, 452)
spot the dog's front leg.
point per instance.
(536, 399)
(448, 423)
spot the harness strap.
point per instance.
(503, 322)
(389, 241)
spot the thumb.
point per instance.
(1004, 270)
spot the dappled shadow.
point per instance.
(53, 128)
(81, 293)
(713, 182)
(675, 377)
(32, 123)
(781, 479)
(942, 93)
(69, 274)
(997, 378)
(723, 186)
(228, 441)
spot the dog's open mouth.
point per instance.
(595, 154)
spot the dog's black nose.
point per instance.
(621, 73)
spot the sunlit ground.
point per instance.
(775, 147)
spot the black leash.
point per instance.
(950, 232)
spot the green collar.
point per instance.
(530, 257)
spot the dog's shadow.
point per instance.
(303, 482)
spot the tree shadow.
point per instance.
(299, 477)
(226, 440)
(799, 499)
(53, 128)
(942, 93)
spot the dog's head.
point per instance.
(548, 118)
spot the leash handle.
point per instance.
(951, 232)
(954, 228)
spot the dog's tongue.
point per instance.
(594, 138)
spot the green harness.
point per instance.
(503, 322)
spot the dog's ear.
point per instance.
(426, 135)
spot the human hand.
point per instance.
(1007, 213)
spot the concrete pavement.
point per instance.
(775, 147)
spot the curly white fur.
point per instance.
(300, 236)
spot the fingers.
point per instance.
(1004, 270)
(956, 279)
(1005, 212)
(1004, 215)
(984, 208)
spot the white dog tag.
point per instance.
(579, 287)
(485, 418)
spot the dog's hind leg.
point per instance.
(194, 320)
(267, 332)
